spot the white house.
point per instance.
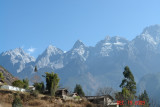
(8, 87)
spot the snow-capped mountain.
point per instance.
(101, 65)
(52, 57)
(110, 46)
(79, 50)
(15, 60)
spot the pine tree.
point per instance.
(144, 97)
(78, 89)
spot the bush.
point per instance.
(34, 93)
(18, 83)
(39, 87)
(17, 101)
(77, 97)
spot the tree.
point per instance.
(18, 83)
(128, 86)
(128, 82)
(105, 91)
(39, 87)
(1, 76)
(17, 101)
(78, 89)
(52, 82)
(144, 97)
(52, 89)
(26, 83)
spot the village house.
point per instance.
(74, 95)
(31, 88)
(65, 95)
(102, 100)
(61, 92)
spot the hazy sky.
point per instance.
(34, 24)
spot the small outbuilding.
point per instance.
(102, 100)
(61, 92)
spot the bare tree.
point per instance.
(106, 91)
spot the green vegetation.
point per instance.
(1, 76)
(18, 83)
(17, 101)
(52, 82)
(21, 84)
(26, 83)
(128, 86)
(144, 97)
(78, 89)
(39, 87)
(128, 81)
(34, 93)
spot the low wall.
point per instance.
(8, 87)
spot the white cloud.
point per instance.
(31, 50)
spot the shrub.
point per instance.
(18, 83)
(17, 101)
(39, 87)
(34, 93)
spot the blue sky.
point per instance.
(35, 24)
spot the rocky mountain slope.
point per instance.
(8, 77)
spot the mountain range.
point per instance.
(96, 66)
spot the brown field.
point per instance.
(6, 99)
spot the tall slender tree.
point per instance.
(52, 82)
(128, 86)
(128, 82)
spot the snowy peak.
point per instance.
(151, 34)
(116, 40)
(78, 44)
(53, 50)
(51, 57)
(15, 60)
(50, 51)
(119, 41)
(152, 30)
(18, 54)
(109, 44)
(79, 50)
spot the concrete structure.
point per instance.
(61, 92)
(31, 88)
(102, 100)
(8, 87)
